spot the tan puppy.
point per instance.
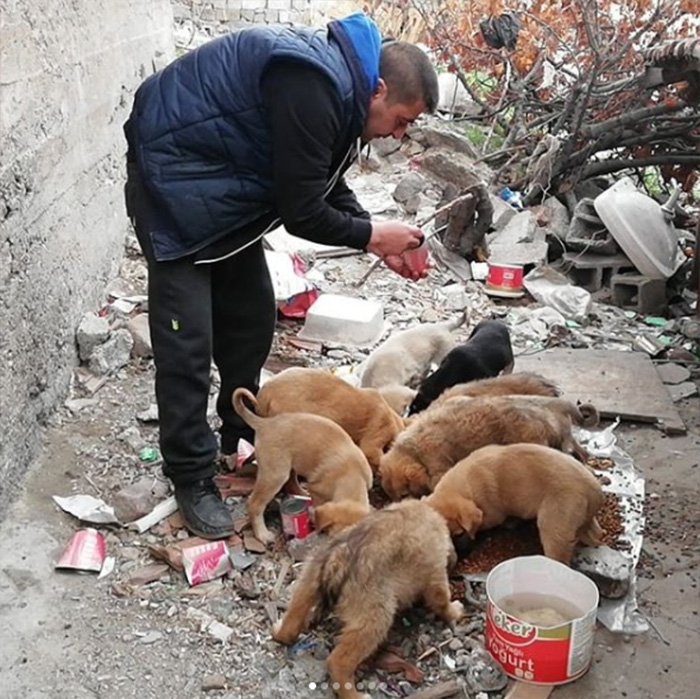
(526, 481)
(439, 438)
(406, 356)
(398, 397)
(313, 447)
(386, 562)
(361, 412)
(521, 383)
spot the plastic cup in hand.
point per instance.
(416, 259)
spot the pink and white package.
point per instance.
(85, 551)
(206, 562)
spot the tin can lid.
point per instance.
(293, 506)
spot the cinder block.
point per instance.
(593, 272)
(343, 320)
(587, 233)
(635, 291)
(272, 16)
(279, 4)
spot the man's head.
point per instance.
(407, 87)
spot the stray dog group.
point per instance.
(481, 445)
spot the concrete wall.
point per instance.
(68, 69)
(241, 12)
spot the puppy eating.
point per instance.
(361, 412)
(406, 356)
(522, 383)
(527, 481)
(386, 562)
(442, 436)
(486, 353)
(335, 469)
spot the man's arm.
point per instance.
(305, 115)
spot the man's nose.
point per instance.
(399, 132)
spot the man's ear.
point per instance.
(469, 517)
(382, 89)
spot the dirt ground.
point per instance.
(72, 635)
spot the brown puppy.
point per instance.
(521, 383)
(361, 412)
(441, 437)
(528, 481)
(386, 562)
(313, 447)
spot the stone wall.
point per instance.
(241, 12)
(68, 70)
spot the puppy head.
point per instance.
(460, 513)
(333, 517)
(402, 475)
(419, 403)
(398, 397)
(589, 415)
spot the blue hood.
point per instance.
(360, 42)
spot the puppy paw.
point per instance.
(280, 634)
(455, 611)
(264, 535)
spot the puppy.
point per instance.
(486, 353)
(361, 412)
(386, 562)
(407, 355)
(522, 383)
(335, 469)
(528, 481)
(437, 439)
(398, 397)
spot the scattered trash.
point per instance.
(206, 562)
(149, 454)
(85, 551)
(208, 624)
(240, 559)
(515, 199)
(159, 512)
(244, 452)
(138, 499)
(553, 289)
(293, 292)
(107, 567)
(87, 509)
(505, 280)
(296, 517)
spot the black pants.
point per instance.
(225, 310)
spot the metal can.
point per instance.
(296, 518)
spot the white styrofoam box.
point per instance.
(344, 320)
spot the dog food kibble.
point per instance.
(500, 544)
(600, 463)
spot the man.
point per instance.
(247, 131)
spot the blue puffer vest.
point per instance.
(200, 136)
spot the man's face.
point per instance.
(387, 118)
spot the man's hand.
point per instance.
(397, 264)
(393, 238)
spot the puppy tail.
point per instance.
(240, 396)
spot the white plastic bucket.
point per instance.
(554, 643)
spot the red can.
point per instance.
(296, 517)
(505, 278)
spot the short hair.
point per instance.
(409, 75)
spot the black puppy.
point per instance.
(486, 353)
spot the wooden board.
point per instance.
(617, 383)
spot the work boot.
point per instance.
(203, 511)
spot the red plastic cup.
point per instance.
(416, 259)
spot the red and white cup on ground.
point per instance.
(505, 278)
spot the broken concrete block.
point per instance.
(446, 138)
(455, 297)
(343, 320)
(682, 390)
(673, 373)
(138, 499)
(92, 331)
(113, 354)
(453, 167)
(587, 232)
(141, 333)
(559, 218)
(385, 146)
(521, 242)
(609, 569)
(409, 187)
(502, 212)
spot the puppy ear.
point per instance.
(416, 479)
(469, 516)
